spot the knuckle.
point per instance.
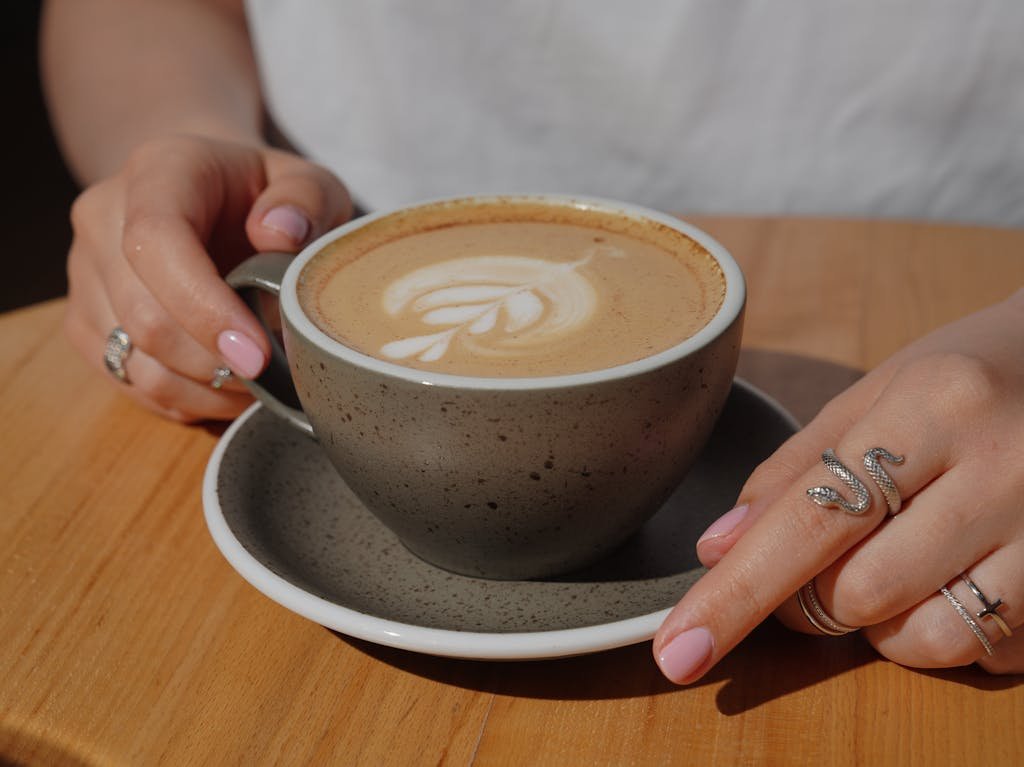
(955, 384)
(92, 206)
(142, 233)
(864, 595)
(779, 470)
(83, 208)
(147, 325)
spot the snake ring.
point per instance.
(829, 497)
(118, 347)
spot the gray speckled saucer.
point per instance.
(292, 528)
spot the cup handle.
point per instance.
(274, 387)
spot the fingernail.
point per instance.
(241, 353)
(725, 524)
(686, 653)
(289, 221)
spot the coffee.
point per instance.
(511, 289)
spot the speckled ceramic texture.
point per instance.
(513, 483)
(294, 515)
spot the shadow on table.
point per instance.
(21, 749)
(771, 663)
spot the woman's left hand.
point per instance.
(952, 404)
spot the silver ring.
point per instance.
(830, 498)
(119, 346)
(816, 615)
(968, 619)
(892, 495)
(220, 377)
(990, 609)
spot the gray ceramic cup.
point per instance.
(509, 478)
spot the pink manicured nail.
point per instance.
(686, 653)
(725, 524)
(289, 221)
(241, 353)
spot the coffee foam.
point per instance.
(495, 305)
(555, 297)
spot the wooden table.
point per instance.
(126, 639)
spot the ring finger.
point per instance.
(895, 567)
(150, 328)
(162, 390)
(940, 632)
(88, 322)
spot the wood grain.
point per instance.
(127, 639)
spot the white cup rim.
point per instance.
(732, 304)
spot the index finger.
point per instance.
(170, 209)
(795, 539)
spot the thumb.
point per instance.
(301, 201)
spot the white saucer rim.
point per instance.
(434, 641)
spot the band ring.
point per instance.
(989, 609)
(118, 347)
(220, 377)
(816, 615)
(968, 619)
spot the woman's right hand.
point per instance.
(151, 245)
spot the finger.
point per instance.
(775, 474)
(301, 202)
(167, 215)
(802, 451)
(933, 634)
(155, 387)
(860, 588)
(153, 331)
(119, 298)
(86, 324)
(794, 539)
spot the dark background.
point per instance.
(39, 190)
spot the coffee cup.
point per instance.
(512, 384)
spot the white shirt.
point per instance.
(904, 108)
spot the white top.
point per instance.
(903, 108)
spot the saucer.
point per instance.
(291, 527)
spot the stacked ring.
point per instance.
(968, 619)
(989, 609)
(816, 615)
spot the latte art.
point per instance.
(494, 305)
(511, 290)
